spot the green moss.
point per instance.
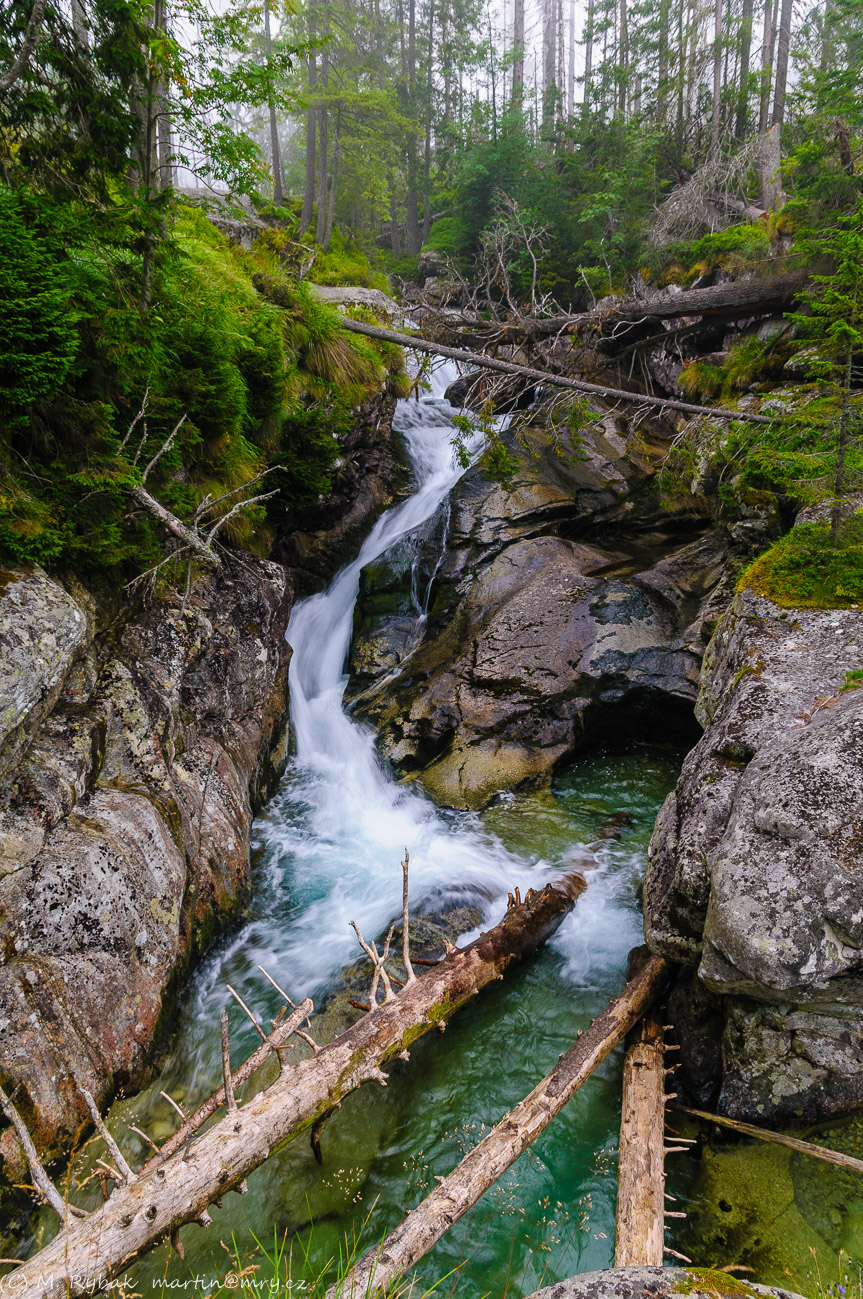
(704, 1280)
(804, 571)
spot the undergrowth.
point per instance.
(803, 570)
(260, 371)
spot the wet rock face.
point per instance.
(755, 875)
(661, 1282)
(531, 640)
(124, 830)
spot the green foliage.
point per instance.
(494, 457)
(805, 570)
(257, 367)
(736, 249)
(38, 340)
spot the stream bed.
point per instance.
(327, 850)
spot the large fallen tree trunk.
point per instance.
(487, 1162)
(639, 1236)
(543, 376)
(166, 1195)
(759, 295)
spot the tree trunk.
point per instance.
(167, 1195)
(741, 128)
(588, 56)
(79, 24)
(322, 146)
(766, 66)
(783, 46)
(487, 1162)
(331, 209)
(640, 1219)
(847, 1162)
(275, 150)
(546, 377)
(311, 132)
(623, 60)
(518, 53)
(413, 238)
(427, 212)
(662, 69)
(841, 451)
(570, 79)
(716, 125)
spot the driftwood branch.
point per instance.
(544, 377)
(171, 1191)
(640, 1226)
(779, 1138)
(487, 1162)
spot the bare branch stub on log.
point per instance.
(485, 1164)
(639, 1224)
(176, 1188)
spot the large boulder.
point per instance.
(661, 1282)
(530, 640)
(124, 833)
(755, 873)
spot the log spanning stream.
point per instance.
(328, 849)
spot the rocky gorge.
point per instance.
(522, 624)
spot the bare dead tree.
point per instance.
(28, 45)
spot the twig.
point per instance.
(182, 1113)
(43, 1183)
(101, 1128)
(141, 413)
(230, 1101)
(406, 952)
(166, 445)
(240, 1002)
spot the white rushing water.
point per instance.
(331, 841)
(355, 822)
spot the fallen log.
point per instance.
(486, 1163)
(760, 295)
(543, 376)
(165, 1196)
(778, 1138)
(640, 1217)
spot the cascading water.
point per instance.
(328, 849)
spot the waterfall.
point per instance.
(355, 821)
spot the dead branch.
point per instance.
(488, 1161)
(41, 1180)
(779, 1138)
(544, 377)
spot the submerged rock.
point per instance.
(124, 833)
(661, 1282)
(755, 874)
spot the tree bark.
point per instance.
(766, 66)
(741, 127)
(166, 1196)
(588, 56)
(640, 1219)
(311, 132)
(518, 52)
(322, 146)
(783, 46)
(487, 1162)
(275, 150)
(331, 207)
(716, 124)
